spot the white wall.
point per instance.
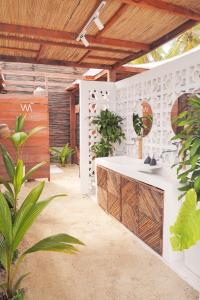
(94, 96)
(160, 86)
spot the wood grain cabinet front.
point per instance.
(102, 187)
(113, 195)
(137, 205)
(129, 195)
(150, 219)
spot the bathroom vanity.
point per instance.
(140, 200)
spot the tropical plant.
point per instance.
(19, 137)
(179, 45)
(16, 178)
(109, 127)
(16, 171)
(102, 148)
(188, 170)
(62, 154)
(186, 230)
(12, 234)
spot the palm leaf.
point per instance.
(5, 220)
(17, 180)
(18, 282)
(19, 123)
(28, 203)
(8, 162)
(35, 130)
(32, 170)
(29, 218)
(58, 243)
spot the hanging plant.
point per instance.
(109, 126)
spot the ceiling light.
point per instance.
(94, 18)
(99, 24)
(84, 41)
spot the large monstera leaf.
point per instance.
(186, 230)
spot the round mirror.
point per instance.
(180, 105)
(143, 119)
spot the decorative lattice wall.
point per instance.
(160, 86)
(94, 96)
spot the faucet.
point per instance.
(172, 151)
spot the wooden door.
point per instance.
(129, 195)
(113, 194)
(150, 216)
(102, 187)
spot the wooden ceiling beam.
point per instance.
(102, 58)
(19, 49)
(36, 83)
(69, 36)
(39, 74)
(31, 60)
(164, 39)
(170, 8)
(62, 44)
(126, 69)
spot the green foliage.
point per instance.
(16, 221)
(188, 170)
(179, 45)
(186, 230)
(62, 154)
(108, 125)
(102, 148)
(19, 137)
(14, 232)
(17, 178)
(138, 123)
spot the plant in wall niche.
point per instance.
(109, 126)
(188, 170)
(62, 154)
(13, 233)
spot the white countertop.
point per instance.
(163, 178)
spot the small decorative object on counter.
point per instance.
(147, 160)
(153, 161)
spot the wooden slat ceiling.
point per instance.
(45, 31)
(25, 77)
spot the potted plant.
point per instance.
(109, 127)
(62, 154)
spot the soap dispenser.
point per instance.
(147, 160)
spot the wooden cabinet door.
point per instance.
(102, 187)
(150, 221)
(129, 194)
(113, 194)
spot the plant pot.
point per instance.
(191, 257)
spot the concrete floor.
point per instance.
(112, 266)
